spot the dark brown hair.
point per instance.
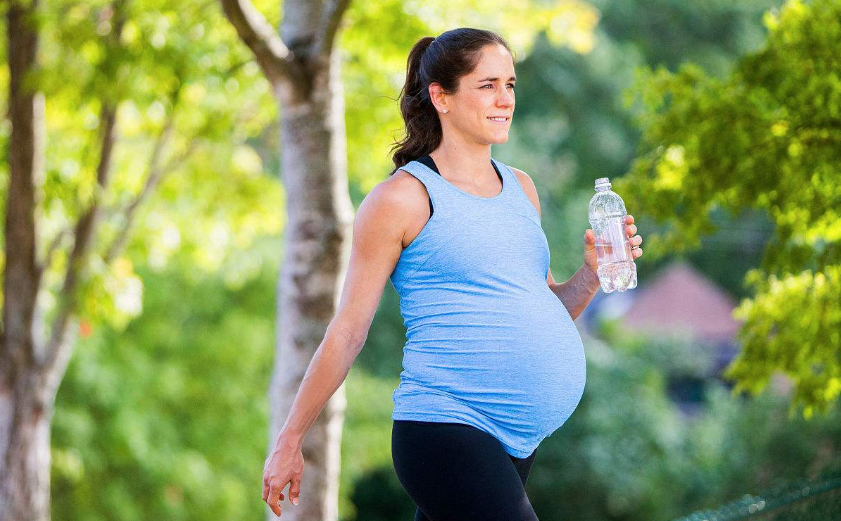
(443, 60)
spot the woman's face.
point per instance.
(486, 92)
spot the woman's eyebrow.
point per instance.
(512, 78)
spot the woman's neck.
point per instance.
(473, 168)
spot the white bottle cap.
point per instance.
(602, 181)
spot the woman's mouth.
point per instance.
(502, 119)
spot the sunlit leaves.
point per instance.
(768, 136)
(793, 325)
(167, 419)
(568, 22)
(111, 292)
(188, 98)
(379, 35)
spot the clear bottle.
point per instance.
(617, 271)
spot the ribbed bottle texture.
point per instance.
(617, 271)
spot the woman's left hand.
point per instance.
(590, 257)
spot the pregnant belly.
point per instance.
(521, 364)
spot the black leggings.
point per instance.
(456, 472)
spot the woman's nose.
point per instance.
(506, 99)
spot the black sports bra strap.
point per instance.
(428, 161)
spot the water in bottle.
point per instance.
(617, 271)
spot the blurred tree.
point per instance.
(165, 419)
(627, 453)
(766, 137)
(115, 143)
(570, 126)
(303, 66)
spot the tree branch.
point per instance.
(331, 18)
(57, 351)
(51, 249)
(276, 60)
(83, 234)
(156, 173)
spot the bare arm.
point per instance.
(327, 370)
(377, 244)
(577, 292)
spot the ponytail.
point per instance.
(443, 60)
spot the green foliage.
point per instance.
(570, 126)
(187, 97)
(168, 418)
(765, 137)
(366, 450)
(378, 38)
(627, 453)
(379, 496)
(799, 500)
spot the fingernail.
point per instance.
(294, 501)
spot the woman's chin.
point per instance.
(496, 138)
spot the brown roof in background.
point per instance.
(682, 299)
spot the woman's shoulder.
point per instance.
(527, 184)
(525, 180)
(408, 190)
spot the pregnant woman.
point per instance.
(493, 363)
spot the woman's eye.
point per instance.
(491, 85)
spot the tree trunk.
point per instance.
(24, 414)
(320, 218)
(32, 363)
(304, 69)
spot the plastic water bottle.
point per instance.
(617, 271)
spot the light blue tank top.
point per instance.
(488, 344)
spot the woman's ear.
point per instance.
(438, 97)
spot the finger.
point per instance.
(275, 497)
(629, 219)
(637, 252)
(265, 490)
(636, 240)
(295, 491)
(631, 229)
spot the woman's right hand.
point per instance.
(285, 465)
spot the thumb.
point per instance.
(589, 239)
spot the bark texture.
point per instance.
(304, 69)
(32, 360)
(24, 412)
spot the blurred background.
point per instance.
(719, 123)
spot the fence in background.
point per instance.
(813, 500)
